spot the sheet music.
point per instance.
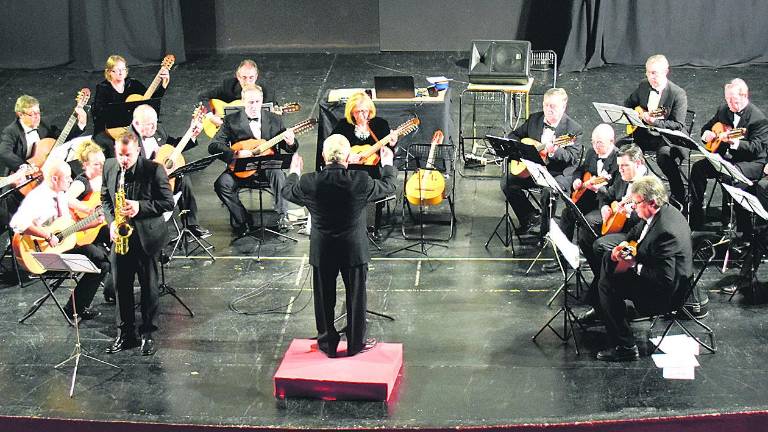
(723, 166)
(541, 176)
(747, 200)
(567, 249)
(65, 262)
(618, 114)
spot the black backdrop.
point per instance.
(584, 33)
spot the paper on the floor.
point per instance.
(679, 358)
(675, 344)
(675, 360)
(679, 373)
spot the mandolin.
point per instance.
(518, 168)
(218, 107)
(169, 156)
(369, 154)
(587, 180)
(730, 133)
(45, 146)
(166, 64)
(261, 147)
(63, 228)
(427, 186)
(657, 114)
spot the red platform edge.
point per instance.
(307, 372)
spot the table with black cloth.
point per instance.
(433, 112)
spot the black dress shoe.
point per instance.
(552, 266)
(148, 345)
(199, 231)
(729, 289)
(89, 314)
(122, 343)
(527, 225)
(283, 224)
(369, 344)
(619, 353)
(109, 299)
(375, 235)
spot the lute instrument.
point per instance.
(427, 185)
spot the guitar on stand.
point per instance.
(218, 107)
(518, 169)
(427, 185)
(170, 156)
(261, 147)
(369, 154)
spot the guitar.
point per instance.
(261, 147)
(628, 250)
(588, 180)
(166, 64)
(426, 186)
(218, 107)
(44, 147)
(657, 114)
(369, 154)
(169, 156)
(88, 236)
(730, 133)
(617, 219)
(62, 228)
(518, 168)
(24, 172)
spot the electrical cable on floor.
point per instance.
(264, 287)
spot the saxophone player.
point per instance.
(142, 187)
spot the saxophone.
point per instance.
(124, 229)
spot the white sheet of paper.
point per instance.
(675, 360)
(569, 250)
(677, 344)
(686, 373)
(438, 79)
(747, 200)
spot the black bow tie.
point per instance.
(654, 90)
(31, 130)
(546, 126)
(254, 119)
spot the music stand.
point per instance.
(543, 178)
(617, 114)
(259, 163)
(185, 234)
(504, 148)
(71, 264)
(676, 138)
(570, 252)
(120, 114)
(751, 204)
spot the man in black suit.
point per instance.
(247, 73)
(544, 126)
(658, 92)
(153, 136)
(147, 196)
(336, 198)
(250, 123)
(748, 153)
(650, 276)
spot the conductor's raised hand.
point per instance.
(387, 156)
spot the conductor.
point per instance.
(336, 198)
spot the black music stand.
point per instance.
(675, 138)
(259, 163)
(571, 253)
(71, 264)
(186, 236)
(617, 114)
(544, 179)
(504, 148)
(14, 263)
(443, 163)
(120, 114)
(751, 204)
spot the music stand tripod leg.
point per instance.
(164, 288)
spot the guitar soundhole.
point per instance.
(168, 164)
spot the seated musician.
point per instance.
(631, 166)
(247, 72)
(116, 88)
(151, 137)
(48, 202)
(360, 126)
(246, 124)
(654, 93)
(545, 127)
(650, 275)
(748, 153)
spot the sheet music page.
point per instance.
(747, 200)
(567, 249)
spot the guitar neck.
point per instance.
(65, 132)
(77, 226)
(272, 142)
(153, 86)
(182, 144)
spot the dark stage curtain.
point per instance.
(691, 32)
(83, 33)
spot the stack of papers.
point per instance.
(679, 358)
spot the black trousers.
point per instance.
(88, 285)
(324, 288)
(587, 204)
(700, 173)
(125, 270)
(669, 158)
(513, 188)
(227, 186)
(613, 288)
(187, 199)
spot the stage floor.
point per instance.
(464, 314)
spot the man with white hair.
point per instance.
(337, 199)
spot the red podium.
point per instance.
(307, 372)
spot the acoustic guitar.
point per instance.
(587, 180)
(218, 107)
(87, 236)
(63, 228)
(617, 219)
(261, 147)
(628, 250)
(657, 114)
(730, 133)
(427, 185)
(45, 146)
(166, 64)
(169, 156)
(369, 154)
(518, 168)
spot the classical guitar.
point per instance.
(617, 219)
(628, 250)
(44, 147)
(518, 168)
(218, 107)
(166, 64)
(63, 228)
(87, 236)
(369, 154)
(169, 156)
(427, 185)
(588, 180)
(261, 147)
(657, 114)
(730, 133)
